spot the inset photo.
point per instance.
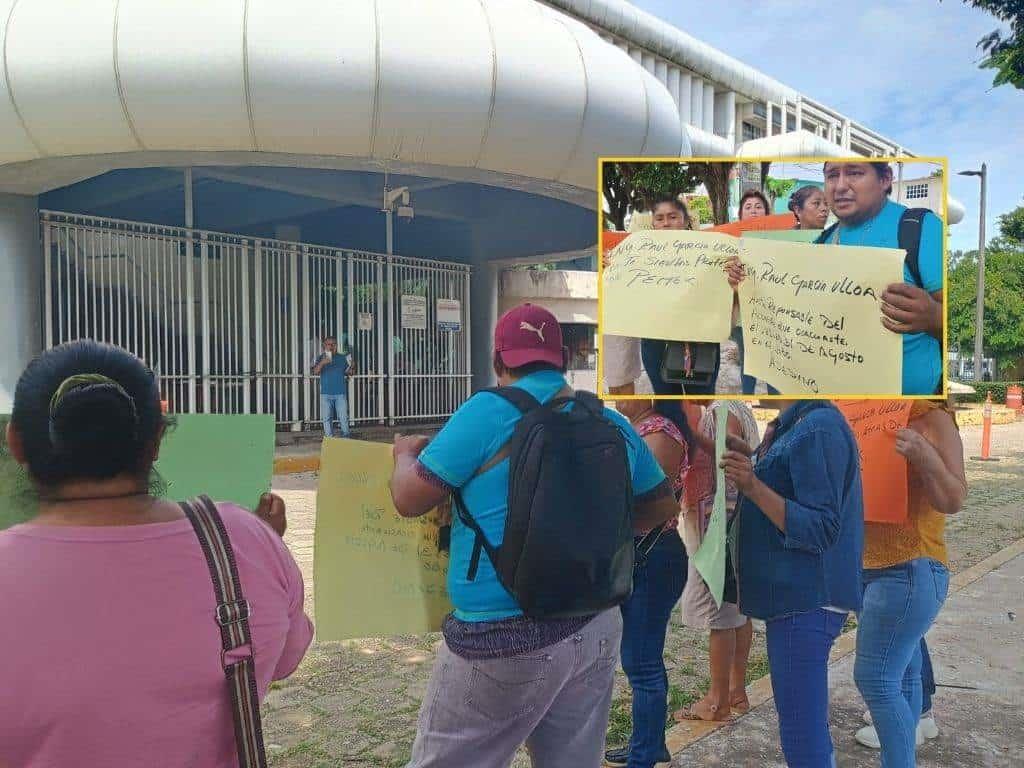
(814, 277)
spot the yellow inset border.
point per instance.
(944, 217)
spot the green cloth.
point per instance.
(709, 559)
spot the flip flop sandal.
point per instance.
(690, 714)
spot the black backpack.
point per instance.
(568, 543)
(908, 238)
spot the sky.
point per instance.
(906, 69)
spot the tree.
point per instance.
(1004, 294)
(633, 186)
(700, 209)
(777, 188)
(1011, 225)
(1004, 53)
(715, 177)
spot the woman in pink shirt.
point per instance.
(111, 651)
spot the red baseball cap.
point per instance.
(528, 334)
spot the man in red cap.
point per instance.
(501, 678)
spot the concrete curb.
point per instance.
(293, 465)
(683, 735)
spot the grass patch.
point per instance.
(16, 496)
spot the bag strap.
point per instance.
(518, 396)
(909, 239)
(826, 235)
(232, 617)
(480, 541)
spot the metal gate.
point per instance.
(233, 324)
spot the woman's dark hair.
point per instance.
(799, 198)
(87, 411)
(759, 195)
(673, 411)
(675, 202)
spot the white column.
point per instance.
(846, 133)
(799, 113)
(783, 128)
(648, 62)
(661, 72)
(832, 131)
(686, 98)
(636, 55)
(672, 83)
(768, 118)
(21, 265)
(483, 293)
(708, 115)
(725, 115)
(697, 103)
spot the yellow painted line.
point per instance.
(682, 735)
(292, 465)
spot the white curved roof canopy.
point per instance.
(504, 86)
(795, 144)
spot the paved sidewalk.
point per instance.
(976, 646)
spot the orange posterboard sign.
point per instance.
(758, 224)
(884, 472)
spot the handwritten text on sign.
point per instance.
(811, 317)
(376, 573)
(669, 284)
(883, 471)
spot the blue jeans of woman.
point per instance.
(658, 581)
(900, 604)
(798, 648)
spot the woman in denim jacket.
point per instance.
(798, 559)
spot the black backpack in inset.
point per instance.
(908, 238)
(568, 548)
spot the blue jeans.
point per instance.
(658, 582)
(651, 352)
(749, 382)
(334, 407)
(798, 648)
(900, 604)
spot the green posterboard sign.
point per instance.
(17, 501)
(226, 457)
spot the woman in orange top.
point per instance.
(906, 580)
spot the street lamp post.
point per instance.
(979, 316)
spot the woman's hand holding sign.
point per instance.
(735, 271)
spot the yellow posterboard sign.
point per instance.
(376, 573)
(812, 318)
(669, 284)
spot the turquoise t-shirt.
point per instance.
(922, 354)
(475, 433)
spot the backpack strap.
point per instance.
(826, 235)
(480, 541)
(518, 396)
(232, 617)
(909, 239)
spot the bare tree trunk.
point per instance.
(715, 177)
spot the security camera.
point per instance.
(405, 212)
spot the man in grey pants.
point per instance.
(502, 679)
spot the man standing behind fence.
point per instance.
(334, 368)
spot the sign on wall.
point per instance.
(414, 312)
(449, 315)
(365, 321)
